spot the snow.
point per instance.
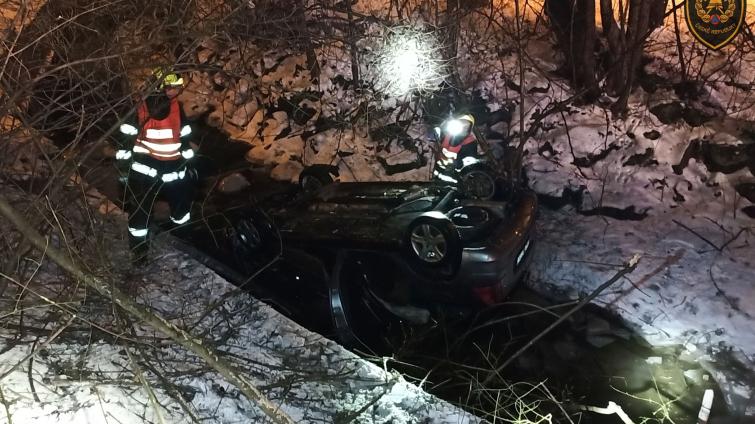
(684, 291)
(92, 371)
(694, 285)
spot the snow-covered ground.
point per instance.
(694, 285)
(84, 362)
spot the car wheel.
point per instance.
(360, 321)
(253, 239)
(433, 244)
(478, 183)
(312, 179)
(473, 222)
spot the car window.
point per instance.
(416, 205)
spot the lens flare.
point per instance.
(408, 61)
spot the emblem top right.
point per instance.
(715, 23)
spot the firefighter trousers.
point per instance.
(142, 191)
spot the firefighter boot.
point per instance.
(139, 247)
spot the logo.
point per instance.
(715, 22)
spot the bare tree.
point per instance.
(573, 22)
(626, 31)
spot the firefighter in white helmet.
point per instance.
(457, 141)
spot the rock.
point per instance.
(600, 341)
(244, 114)
(251, 131)
(746, 190)
(195, 106)
(695, 376)
(280, 116)
(642, 159)
(696, 117)
(652, 135)
(276, 124)
(215, 119)
(668, 113)
(597, 326)
(221, 80)
(670, 380)
(233, 183)
(287, 171)
(502, 115)
(243, 92)
(205, 55)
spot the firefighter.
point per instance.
(457, 141)
(156, 153)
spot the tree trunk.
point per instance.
(301, 19)
(353, 45)
(450, 44)
(573, 22)
(625, 48)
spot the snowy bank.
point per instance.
(80, 360)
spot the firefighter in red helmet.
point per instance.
(155, 151)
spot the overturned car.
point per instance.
(396, 250)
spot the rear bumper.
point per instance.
(491, 272)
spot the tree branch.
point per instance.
(184, 339)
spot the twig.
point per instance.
(697, 234)
(741, 230)
(180, 336)
(34, 352)
(354, 415)
(628, 268)
(5, 404)
(31, 369)
(147, 388)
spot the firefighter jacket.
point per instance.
(156, 148)
(452, 155)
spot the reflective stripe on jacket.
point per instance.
(160, 138)
(451, 152)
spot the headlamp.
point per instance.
(454, 127)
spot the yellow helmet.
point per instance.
(167, 78)
(466, 117)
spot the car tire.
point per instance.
(433, 245)
(478, 182)
(253, 236)
(313, 178)
(360, 322)
(472, 222)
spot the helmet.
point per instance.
(460, 125)
(167, 78)
(466, 117)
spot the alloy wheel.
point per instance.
(479, 184)
(428, 243)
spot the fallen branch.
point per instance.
(197, 346)
(628, 268)
(697, 234)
